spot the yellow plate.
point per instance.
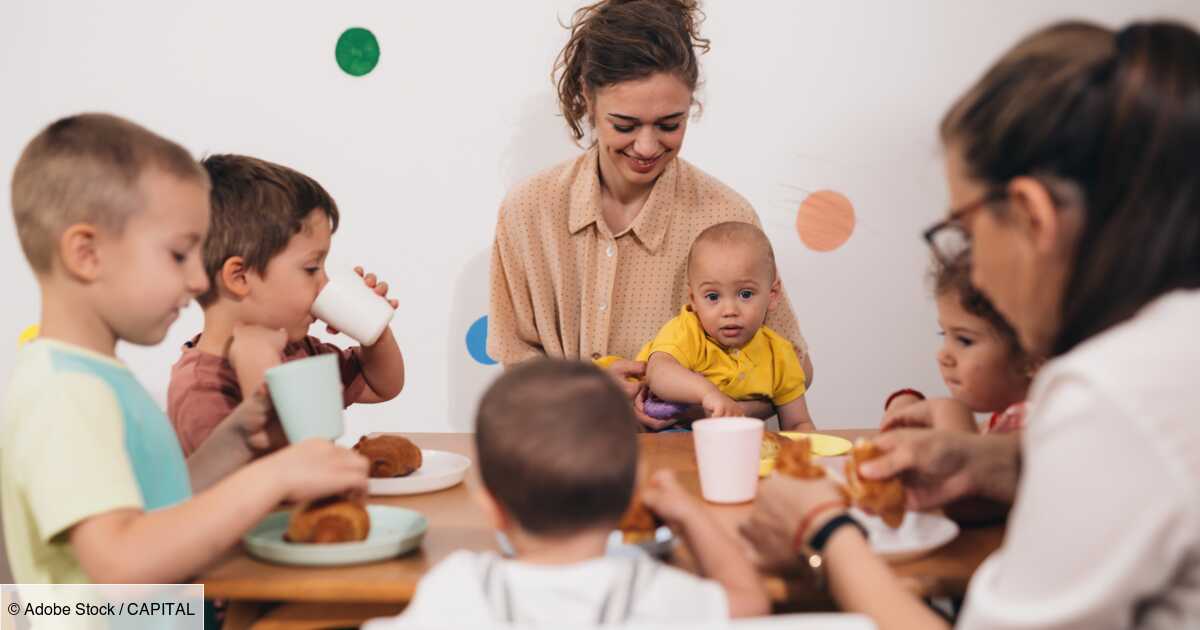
(821, 444)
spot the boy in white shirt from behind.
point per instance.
(558, 456)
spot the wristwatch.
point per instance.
(816, 545)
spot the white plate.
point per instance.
(439, 470)
(393, 531)
(919, 534)
(660, 547)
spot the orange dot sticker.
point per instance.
(825, 220)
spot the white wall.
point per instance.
(798, 95)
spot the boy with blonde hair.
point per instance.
(94, 485)
(270, 230)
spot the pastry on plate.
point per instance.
(390, 455)
(330, 520)
(771, 444)
(795, 459)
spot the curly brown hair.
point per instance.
(954, 279)
(622, 40)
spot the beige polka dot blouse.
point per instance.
(564, 286)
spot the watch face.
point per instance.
(816, 571)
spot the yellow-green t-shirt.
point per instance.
(767, 367)
(80, 437)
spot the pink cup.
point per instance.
(727, 454)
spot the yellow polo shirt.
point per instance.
(766, 367)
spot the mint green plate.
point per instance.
(394, 531)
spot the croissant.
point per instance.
(771, 444)
(885, 498)
(331, 520)
(390, 455)
(795, 460)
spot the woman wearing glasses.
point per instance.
(1074, 167)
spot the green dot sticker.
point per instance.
(357, 51)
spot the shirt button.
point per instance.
(609, 251)
(603, 307)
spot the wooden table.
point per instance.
(456, 522)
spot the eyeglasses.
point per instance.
(948, 239)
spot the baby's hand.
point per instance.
(665, 497)
(718, 405)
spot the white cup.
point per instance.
(351, 307)
(307, 394)
(727, 454)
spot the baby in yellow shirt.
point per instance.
(718, 351)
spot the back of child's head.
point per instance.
(734, 234)
(557, 446)
(257, 206)
(953, 279)
(86, 169)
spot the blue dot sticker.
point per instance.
(477, 341)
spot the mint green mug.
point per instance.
(307, 394)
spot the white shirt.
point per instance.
(1105, 532)
(470, 590)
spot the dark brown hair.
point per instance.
(85, 169)
(623, 40)
(257, 207)
(557, 446)
(1115, 116)
(954, 279)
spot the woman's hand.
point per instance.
(628, 375)
(639, 410)
(938, 467)
(782, 503)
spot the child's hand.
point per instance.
(373, 283)
(257, 423)
(255, 347)
(718, 405)
(935, 413)
(317, 468)
(381, 288)
(665, 497)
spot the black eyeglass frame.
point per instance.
(955, 219)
